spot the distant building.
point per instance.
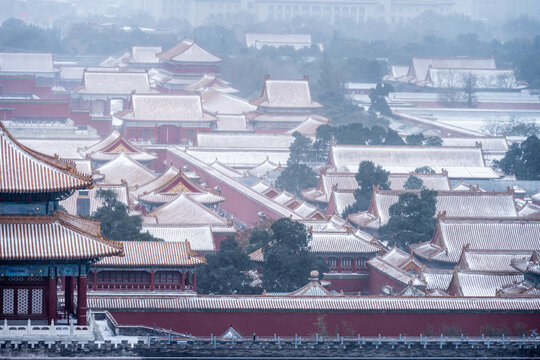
(296, 41)
(453, 73)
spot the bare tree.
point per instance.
(469, 86)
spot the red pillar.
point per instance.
(183, 280)
(52, 299)
(195, 280)
(81, 300)
(68, 294)
(152, 286)
(339, 264)
(94, 283)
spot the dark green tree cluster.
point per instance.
(116, 223)
(368, 176)
(424, 170)
(412, 219)
(298, 175)
(413, 183)
(287, 258)
(378, 97)
(357, 134)
(522, 160)
(226, 271)
(419, 139)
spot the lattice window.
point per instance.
(332, 263)
(37, 301)
(346, 264)
(8, 307)
(22, 301)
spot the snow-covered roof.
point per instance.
(286, 94)
(478, 284)
(460, 162)
(216, 102)
(200, 237)
(231, 123)
(26, 63)
(188, 51)
(453, 203)
(169, 108)
(309, 126)
(118, 300)
(250, 141)
(211, 82)
(420, 66)
(72, 73)
(488, 144)
(483, 78)
(144, 55)
(184, 210)
(123, 168)
(492, 261)
(453, 234)
(340, 243)
(118, 83)
(239, 158)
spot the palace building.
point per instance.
(40, 245)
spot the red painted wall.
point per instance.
(37, 108)
(346, 323)
(18, 85)
(378, 280)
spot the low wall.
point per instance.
(204, 323)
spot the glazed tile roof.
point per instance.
(257, 256)
(152, 253)
(123, 168)
(188, 51)
(184, 210)
(460, 162)
(244, 141)
(23, 170)
(290, 303)
(479, 234)
(200, 237)
(454, 203)
(118, 83)
(528, 265)
(52, 237)
(286, 94)
(169, 175)
(167, 108)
